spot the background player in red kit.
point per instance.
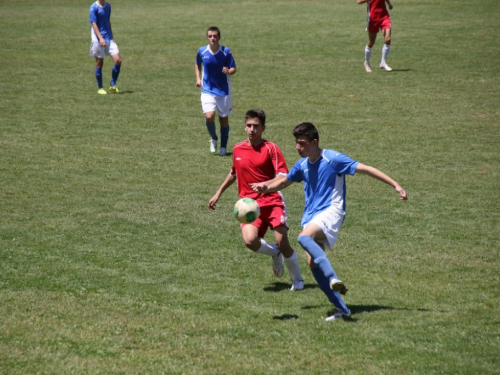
(258, 160)
(378, 19)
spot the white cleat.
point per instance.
(338, 286)
(368, 68)
(297, 285)
(213, 146)
(278, 267)
(337, 314)
(386, 67)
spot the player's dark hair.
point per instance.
(258, 114)
(213, 28)
(306, 130)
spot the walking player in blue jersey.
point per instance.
(103, 44)
(218, 65)
(323, 172)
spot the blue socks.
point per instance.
(324, 285)
(324, 272)
(98, 77)
(211, 129)
(224, 133)
(318, 256)
(224, 136)
(114, 74)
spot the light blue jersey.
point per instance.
(324, 181)
(101, 15)
(214, 82)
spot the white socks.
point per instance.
(267, 249)
(385, 52)
(292, 264)
(368, 53)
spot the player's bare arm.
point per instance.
(197, 70)
(102, 42)
(229, 71)
(381, 176)
(389, 3)
(230, 179)
(362, 1)
(278, 183)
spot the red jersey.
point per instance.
(378, 10)
(258, 164)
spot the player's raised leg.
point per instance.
(250, 234)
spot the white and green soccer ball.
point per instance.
(246, 210)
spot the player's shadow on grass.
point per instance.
(279, 286)
(286, 317)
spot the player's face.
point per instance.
(213, 38)
(304, 146)
(254, 130)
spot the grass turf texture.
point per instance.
(110, 262)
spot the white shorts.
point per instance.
(96, 50)
(210, 103)
(330, 222)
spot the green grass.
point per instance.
(110, 262)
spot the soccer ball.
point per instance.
(246, 210)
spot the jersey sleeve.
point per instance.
(198, 58)
(295, 173)
(343, 164)
(230, 63)
(93, 11)
(279, 161)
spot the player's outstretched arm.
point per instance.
(362, 1)
(381, 176)
(389, 3)
(278, 183)
(227, 182)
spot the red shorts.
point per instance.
(383, 23)
(270, 217)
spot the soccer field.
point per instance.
(110, 261)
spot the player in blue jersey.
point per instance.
(103, 44)
(213, 68)
(323, 173)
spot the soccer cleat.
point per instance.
(368, 68)
(223, 151)
(297, 285)
(213, 146)
(386, 67)
(337, 314)
(114, 89)
(338, 286)
(101, 91)
(278, 267)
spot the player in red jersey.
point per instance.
(378, 19)
(258, 160)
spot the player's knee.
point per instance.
(387, 41)
(252, 244)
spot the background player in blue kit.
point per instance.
(323, 173)
(218, 65)
(103, 44)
